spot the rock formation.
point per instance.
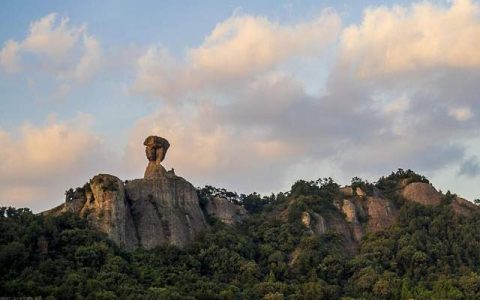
(156, 150)
(159, 209)
(163, 208)
(359, 212)
(463, 207)
(352, 215)
(422, 193)
(381, 213)
(226, 211)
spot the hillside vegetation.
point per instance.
(430, 252)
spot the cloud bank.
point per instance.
(66, 53)
(40, 162)
(236, 51)
(401, 92)
(398, 89)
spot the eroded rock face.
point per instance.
(463, 207)
(353, 214)
(346, 191)
(320, 226)
(360, 192)
(106, 207)
(306, 219)
(381, 213)
(422, 193)
(159, 209)
(314, 222)
(165, 210)
(226, 211)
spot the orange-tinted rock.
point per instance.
(422, 193)
(346, 191)
(352, 215)
(360, 192)
(381, 213)
(463, 207)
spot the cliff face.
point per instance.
(141, 213)
(163, 208)
(225, 211)
(159, 209)
(422, 193)
(362, 213)
(107, 208)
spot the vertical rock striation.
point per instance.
(108, 210)
(225, 211)
(159, 209)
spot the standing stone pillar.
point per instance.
(156, 149)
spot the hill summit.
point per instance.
(163, 208)
(160, 238)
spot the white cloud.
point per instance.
(243, 45)
(426, 35)
(207, 149)
(393, 97)
(55, 40)
(9, 56)
(89, 62)
(158, 74)
(62, 52)
(40, 162)
(403, 79)
(238, 49)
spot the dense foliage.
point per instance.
(430, 253)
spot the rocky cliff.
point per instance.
(163, 208)
(159, 209)
(225, 211)
(359, 212)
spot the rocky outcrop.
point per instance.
(314, 222)
(320, 225)
(422, 193)
(163, 208)
(106, 207)
(156, 149)
(359, 192)
(333, 223)
(159, 209)
(225, 211)
(426, 194)
(353, 213)
(381, 213)
(365, 213)
(346, 191)
(103, 203)
(463, 207)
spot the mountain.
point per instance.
(161, 238)
(159, 209)
(163, 208)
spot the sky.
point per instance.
(252, 95)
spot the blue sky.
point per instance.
(252, 95)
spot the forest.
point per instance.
(429, 253)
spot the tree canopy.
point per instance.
(430, 253)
